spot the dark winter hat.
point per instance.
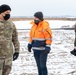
(39, 15)
(4, 8)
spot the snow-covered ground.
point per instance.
(60, 61)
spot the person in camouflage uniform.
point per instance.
(9, 44)
(74, 50)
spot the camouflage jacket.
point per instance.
(75, 28)
(75, 35)
(8, 39)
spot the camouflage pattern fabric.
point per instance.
(1, 65)
(8, 39)
(5, 66)
(75, 35)
(8, 44)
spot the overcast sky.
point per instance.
(48, 7)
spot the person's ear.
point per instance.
(3, 14)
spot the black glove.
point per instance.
(29, 47)
(73, 52)
(47, 49)
(15, 55)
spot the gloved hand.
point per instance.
(73, 52)
(47, 49)
(15, 55)
(29, 47)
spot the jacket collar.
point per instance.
(32, 22)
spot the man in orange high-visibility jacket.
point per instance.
(40, 41)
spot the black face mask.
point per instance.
(36, 22)
(7, 16)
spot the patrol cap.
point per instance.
(4, 8)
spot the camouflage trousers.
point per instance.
(5, 66)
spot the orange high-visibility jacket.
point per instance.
(41, 34)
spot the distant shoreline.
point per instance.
(23, 19)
